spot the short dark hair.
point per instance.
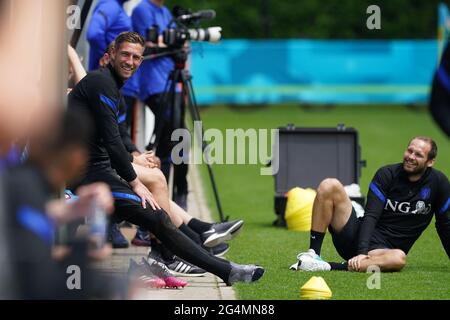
(433, 151)
(130, 36)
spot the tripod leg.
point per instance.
(160, 121)
(169, 118)
(189, 91)
(192, 99)
(180, 170)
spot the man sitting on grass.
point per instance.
(401, 201)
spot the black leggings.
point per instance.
(158, 222)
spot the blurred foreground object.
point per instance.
(32, 43)
(31, 48)
(440, 93)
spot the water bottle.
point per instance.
(98, 224)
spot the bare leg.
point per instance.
(332, 207)
(389, 260)
(155, 181)
(180, 212)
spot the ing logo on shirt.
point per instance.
(407, 207)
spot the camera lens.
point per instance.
(209, 34)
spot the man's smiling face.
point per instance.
(126, 59)
(415, 158)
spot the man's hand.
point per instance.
(98, 192)
(147, 159)
(155, 162)
(354, 263)
(141, 190)
(141, 160)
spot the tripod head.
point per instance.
(178, 32)
(179, 55)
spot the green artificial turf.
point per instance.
(384, 132)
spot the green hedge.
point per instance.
(329, 19)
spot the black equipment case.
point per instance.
(309, 155)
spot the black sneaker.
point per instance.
(219, 250)
(116, 237)
(177, 266)
(244, 273)
(142, 238)
(221, 232)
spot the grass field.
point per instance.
(384, 132)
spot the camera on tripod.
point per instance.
(179, 32)
(179, 92)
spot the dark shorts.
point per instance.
(127, 203)
(346, 241)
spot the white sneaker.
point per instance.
(310, 261)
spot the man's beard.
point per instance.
(416, 171)
(119, 71)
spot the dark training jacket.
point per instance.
(99, 95)
(398, 211)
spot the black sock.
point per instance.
(190, 233)
(339, 266)
(315, 241)
(199, 226)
